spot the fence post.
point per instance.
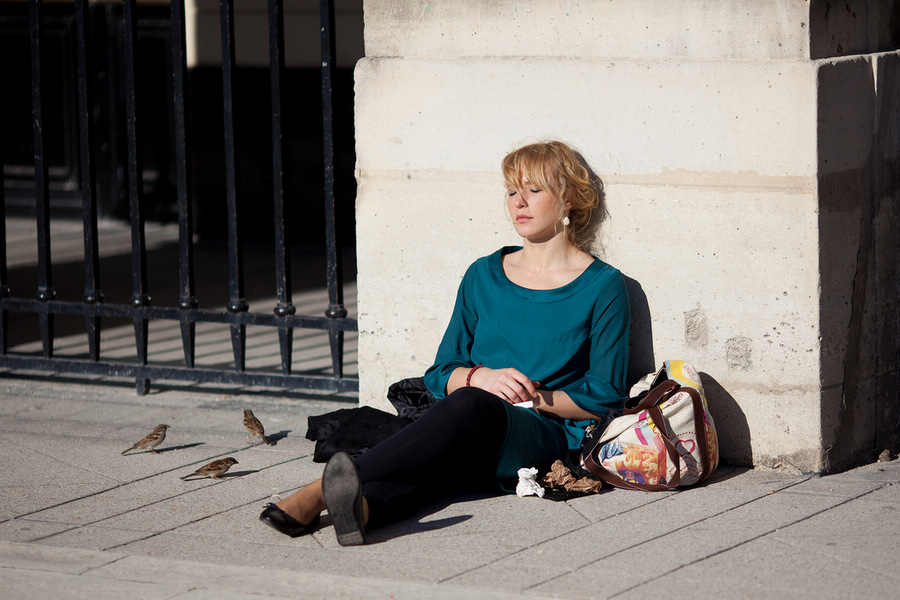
(45, 292)
(236, 302)
(187, 301)
(283, 304)
(336, 308)
(140, 299)
(92, 293)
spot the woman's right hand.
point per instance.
(510, 384)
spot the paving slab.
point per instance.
(888, 493)
(41, 585)
(44, 481)
(835, 486)
(27, 530)
(35, 558)
(864, 534)
(767, 568)
(91, 537)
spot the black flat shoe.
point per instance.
(284, 523)
(342, 491)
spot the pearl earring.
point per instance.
(566, 221)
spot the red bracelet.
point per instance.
(469, 376)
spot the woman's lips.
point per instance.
(522, 218)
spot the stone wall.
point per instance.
(749, 150)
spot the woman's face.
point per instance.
(534, 211)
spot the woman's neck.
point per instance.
(546, 265)
(551, 254)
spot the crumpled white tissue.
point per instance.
(528, 485)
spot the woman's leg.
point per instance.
(462, 433)
(453, 447)
(304, 504)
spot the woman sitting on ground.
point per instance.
(545, 323)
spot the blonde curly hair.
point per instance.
(556, 167)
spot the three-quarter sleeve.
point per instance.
(456, 345)
(602, 386)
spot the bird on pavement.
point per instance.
(215, 469)
(254, 427)
(153, 439)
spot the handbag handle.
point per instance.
(650, 402)
(660, 393)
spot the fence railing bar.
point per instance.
(196, 374)
(92, 290)
(187, 300)
(139, 298)
(283, 302)
(236, 301)
(45, 291)
(127, 311)
(336, 308)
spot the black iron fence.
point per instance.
(186, 311)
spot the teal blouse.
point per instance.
(573, 338)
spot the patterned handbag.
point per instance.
(665, 437)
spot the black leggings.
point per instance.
(454, 446)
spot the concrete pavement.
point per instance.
(78, 519)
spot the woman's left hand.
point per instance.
(510, 384)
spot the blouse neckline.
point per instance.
(551, 295)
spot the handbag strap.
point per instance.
(706, 466)
(658, 395)
(699, 430)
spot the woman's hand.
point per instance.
(514, 387)
(510, 384)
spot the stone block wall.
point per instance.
(749, 150)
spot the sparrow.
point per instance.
(254, 427)
(215, 469)
(153, 439)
